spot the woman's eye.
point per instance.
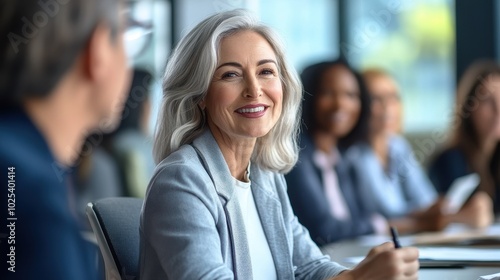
(229, 75)
(267, 72)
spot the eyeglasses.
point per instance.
(137, 36)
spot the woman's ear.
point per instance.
(202, 104)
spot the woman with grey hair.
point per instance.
(216, 207)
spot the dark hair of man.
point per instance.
(41, 39)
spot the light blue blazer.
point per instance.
(397, 191)
(192, 226)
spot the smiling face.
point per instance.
(244, 99)
(338, 104)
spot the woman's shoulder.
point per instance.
(182, 170)
(183, 158)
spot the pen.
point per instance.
(395, 237)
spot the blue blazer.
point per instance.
(48, 241)
(398, 190)
(305, 189)
(192, 226)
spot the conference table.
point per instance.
(341, 252)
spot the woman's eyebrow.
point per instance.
(238, 65)
(264, 61)
(235, 64)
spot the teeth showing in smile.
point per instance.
(339, 117)
(251, 110)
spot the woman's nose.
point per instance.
(252, 88)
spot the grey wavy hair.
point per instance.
(188, 75)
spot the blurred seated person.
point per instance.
(474, 144)
(217, 206)
(322, 192)
(131, 144)
(96, 173)
(58, 83)
(391, 181)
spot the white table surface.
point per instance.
(351, 248)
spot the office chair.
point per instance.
(115, 222)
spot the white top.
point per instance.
(260, 254)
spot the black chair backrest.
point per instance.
(119, 218)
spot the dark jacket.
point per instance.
(450, 165)
(47, 239)
(305, 189)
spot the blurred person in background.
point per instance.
(474, 144)
(321, 186)
(96, 174)
(391, 181)
(63, 74)
(131, 144)
(389, 176)
(119, 163)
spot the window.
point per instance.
(309, 29)
(156, 50)
(414, 41)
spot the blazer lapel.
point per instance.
(218, 170)
(271, 217)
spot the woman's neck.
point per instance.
(325, 142)
(379, 144)
(236, 152)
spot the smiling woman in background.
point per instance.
(474, 145)
(321, 186)
(217, 207)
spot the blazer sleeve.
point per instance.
(312, 209)
(179, 224)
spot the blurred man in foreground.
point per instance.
(63, 75)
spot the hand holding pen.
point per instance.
(395, 237)
(384, 262)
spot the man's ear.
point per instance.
(98, 54)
